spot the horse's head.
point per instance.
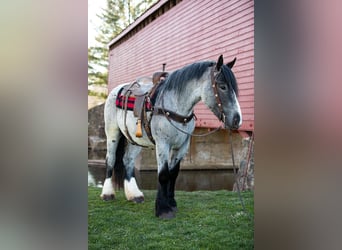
(222, 96)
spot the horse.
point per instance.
(171, 123)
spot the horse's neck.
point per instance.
(183, 103)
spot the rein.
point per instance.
(235, 174)
(236, 178)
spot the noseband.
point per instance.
(214, 74)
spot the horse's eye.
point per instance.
(223, 87)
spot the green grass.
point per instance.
(205, 220)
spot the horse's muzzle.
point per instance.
(236, 121)
(234, 124)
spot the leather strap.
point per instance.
(147, 125)
(218, 100)
(173, 116)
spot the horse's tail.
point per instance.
(119, 167)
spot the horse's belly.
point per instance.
(129, 125)
(165, 132)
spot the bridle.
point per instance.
(166, 113)
(217, 97)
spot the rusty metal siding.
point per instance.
(191, 31)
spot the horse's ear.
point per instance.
(231, 64)
(219, 63)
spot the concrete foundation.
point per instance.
(208, 152)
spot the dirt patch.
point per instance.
(94, 101)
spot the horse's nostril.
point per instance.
(236, 120)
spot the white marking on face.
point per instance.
(238, 109)
(131, 189)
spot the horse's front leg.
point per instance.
(171, 187)
(132, 191)
(163, 208)
(176, 157)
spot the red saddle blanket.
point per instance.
(120, 102)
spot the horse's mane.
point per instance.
(177, 80)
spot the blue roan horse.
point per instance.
(173, 104)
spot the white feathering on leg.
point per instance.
(131, 189)
(107, 188)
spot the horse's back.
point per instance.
(110, 101)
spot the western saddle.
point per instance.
(143, 89)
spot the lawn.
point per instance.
(205, 220)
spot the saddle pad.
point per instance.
(120, 102)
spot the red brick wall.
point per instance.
(191, 31)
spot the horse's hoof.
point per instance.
(167, 215)
(174, 209)
(107, 197)
(139, 199)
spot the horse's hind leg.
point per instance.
(132, 191)
(113, 139)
